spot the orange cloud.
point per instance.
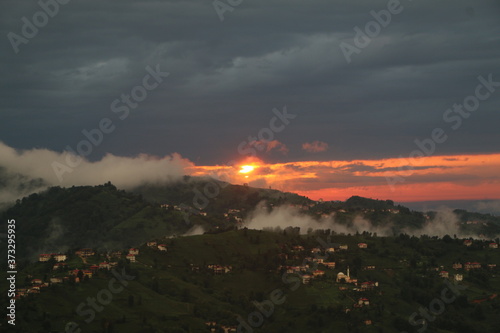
(315, 146)
(466, 177)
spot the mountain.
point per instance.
(104, 217)
(214, 195)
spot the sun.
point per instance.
(246, 168)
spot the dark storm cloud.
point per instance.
(226, 77)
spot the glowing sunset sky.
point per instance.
(183, 92)
(456, 177)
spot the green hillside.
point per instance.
(103, 217)
(60, 219)
(177, 291)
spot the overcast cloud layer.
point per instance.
(225, 77)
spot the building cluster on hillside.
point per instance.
(74, 274)
(174, 207)
(491, 245)
(235, 214)
(220, 269)
(214, 327)
(57, 257)
(155, 245)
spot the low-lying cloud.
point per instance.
(444, 223)
(21, 168)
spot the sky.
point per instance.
(384, 99)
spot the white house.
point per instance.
(60, 257)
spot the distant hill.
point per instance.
(60, 219)
(221, 196)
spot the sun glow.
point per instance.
(246, 168)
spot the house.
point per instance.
(55, 280)
(306, 278)
(457, 266)
(85, 253)
(60, 257)
(44, 257)
(218, 269)
(22, 291)
(329, 264)
(362, 245)
(363, 301)
(318, 260)
(74, 272)
(369, 268)
(229, 329)
(471, 265)
(131, 257)
(59, 265)
(367, 322)
(330, 250)
(105, 265)
(162, 247)
(492, 266)
(318, 272)
(115, 254)
(87, 273)
(94, 268)
(368, 285)
(458, 277)
(468, 242)
(293, 269)
(36, 281)
(298, 248)
(343, 247)
(151, 244)
(133, 251)
(493, 246)
(443, 274)
(315, 250)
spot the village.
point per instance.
(309, 264)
